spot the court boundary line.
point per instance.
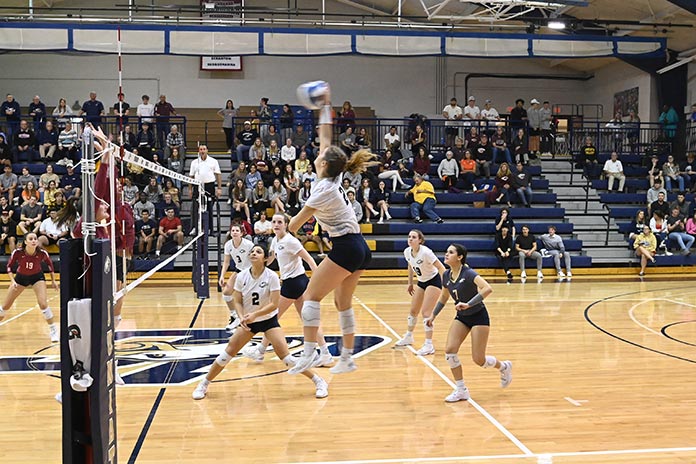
(501, 428)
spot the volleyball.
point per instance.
(312, 95)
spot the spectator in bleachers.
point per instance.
(669, 120)
(174, 140)
(153, 190)
(392, 141)
(309, 174)
(347, 141)
(30, 216)
(346, 116)
(654, 171)
(130, 191)
(355, 204)
(380, 196)
(448, 172)
(257, 150)
(504, 220)
(588, 159)
(273, 153)
(458, 149)
(29, 191)
(300, 139)
(676, 230)
(93, 110)
(690, 224)
(645, 245)
(59, 200)
(271, 136)
(658, 225)
(683, 205)
(176, 163)
(503, 250)
(472, 113)
(145, 141)
(484, 156)
(534, 121)
(146, 110)
(170, 229)
(615, 126)
(518, 115)
(263, 230)
(228, 115)
(23, 143)
(166, 203)
(660, 204)
(255, 123)
(301, 164)
(554, 245)
(305, 192)
(47, 177)
(259, 197)
(613, 169)
(13, 112)
(253, 177)
(418, 140)
(354, 180)
(526, 247)
(287, 121)
(546, 116)
(8, 231)
(264, 167)
(67, 143)
(405, 170)
(363, 139)
(520, 147)
(471, 139)
(488, 113)
(670, 171)
(171, 189)
(143, 204)
(145, 233)
(468, 169)
(424, 200)
(364, 196)
(25, 178)
(632, 124)
(239, 173)
(37, 111)
(637, 224)
(288, 153)
(499, 146)
(50, 232)
(277, 196)
(5, 150)
(8, 183)
(240, 199)
(121, 110)
(688, 170)
(291, 181)
(164, 111)
(522, 183)
(389, 170)
(421, 163)
(265, 116)
(245, 139)
(345, 183)
(503, 183)
(6, 205)
(48, 142)
(62, 113)
(49, 194)
(453, 114)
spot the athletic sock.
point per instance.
(316, 379)
(324, 349)
(346, 353)
(460, 385)
(205, 382)
(309, 348)
(428, 341)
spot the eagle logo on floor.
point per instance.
(154, 357)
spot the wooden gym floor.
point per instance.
(604, 372)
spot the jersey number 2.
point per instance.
(345, 198)
(255, 299)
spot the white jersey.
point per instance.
(239, 256)
(333, 210)
(256, 293)
(423, 264)
(287, 252)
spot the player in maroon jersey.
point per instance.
(25, 270)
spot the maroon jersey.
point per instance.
(28, 265)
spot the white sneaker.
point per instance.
(231, 326)
(324, 360)
(540, 275)
(322, 255)
(426, 349)
(54, 333)
(201, 390)
(389, 217)
(303, 363)
(192, 232)
(523, 275)
(157, 252)
(254, 353)
(118, 380)
(322, 389)
(381, 221)
(59, 397)
(668, 253)
(229, 202)
(569, 274)
(561, 275)
(405, 341)
(505, 373)
(344, 366)
(458, 395)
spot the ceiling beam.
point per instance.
(688, 5)
(359, 6)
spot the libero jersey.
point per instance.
(256, 293)
(287, 251)
(423, 264)
(239, 255)
(333, 210)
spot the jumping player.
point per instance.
(428, 270)
(27, 261)
(350, 255)
(256, 295)
(290, 253)
(468, 290)
(236, 251)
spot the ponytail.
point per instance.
(360, 161)
(67, 215)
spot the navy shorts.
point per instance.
(294, 287)
(434, 282)
(29, 280)
(470, 320)
(351, 252)
(263, 326)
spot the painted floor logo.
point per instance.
(154, 357)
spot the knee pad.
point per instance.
(412, 320)
(346, 319)
(227, 298)
(490, 362)
(47, 313)
(223, 359)
(311, 313)
(452, 360)
(426, 327)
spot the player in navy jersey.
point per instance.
(25, 270)
(468, 290)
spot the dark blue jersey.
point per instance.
(463, 288)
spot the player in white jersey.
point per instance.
(290, 253)
(428, 270)
(237, 253)
(350, 255)
(256, 294)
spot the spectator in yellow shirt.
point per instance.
(424, 200)
(645, 245)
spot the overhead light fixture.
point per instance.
(209, 5)
(558, 25)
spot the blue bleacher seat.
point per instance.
(468, 198)
(460, 228)
(440, 245)
(402, 211)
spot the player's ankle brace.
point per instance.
(412, 320)
(346, 319)
(47, 313)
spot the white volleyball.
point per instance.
(312, 95)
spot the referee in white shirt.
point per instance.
(205, 169)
